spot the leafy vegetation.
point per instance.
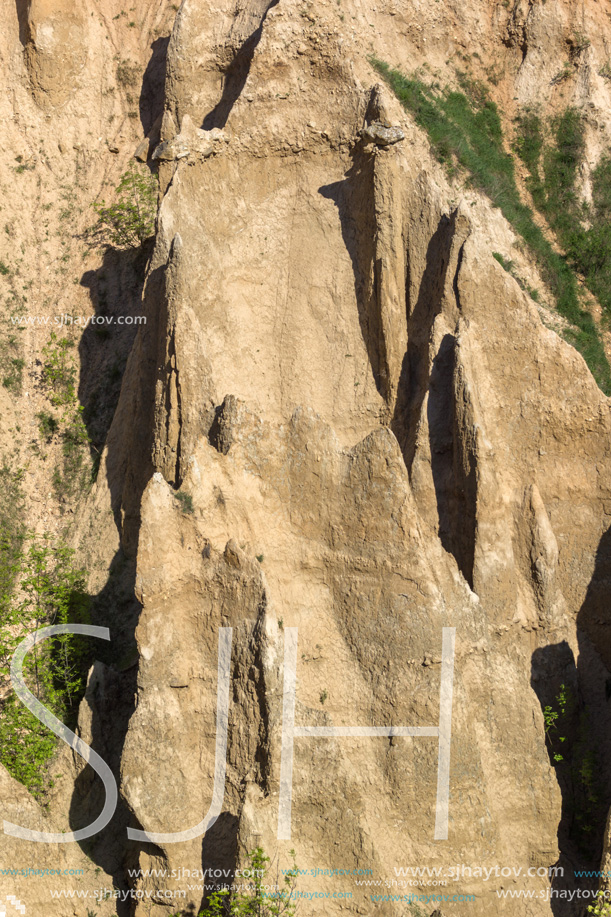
(39, 586)
(59, 371)
(465, 132)
(605, 70)
(13, 301)
(551, 717)
(47, 425)
(264, 895)
(571, 744)
(12, 531)
(130, 221)
(601, 907)
(186, 502)
(127, 74)
(59, 376)
(584, 230)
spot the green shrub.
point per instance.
(60, 378)
(130, 221)
(605, 70)
(601, 907)
(47, 425)
(59, 371)
(12, 532)
(571, 740)
(528, 144)
(127, 74)
(40, 586)
(186, 502)
(256, 901)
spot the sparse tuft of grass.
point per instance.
(13, 374)
(127, 74)
(186, 503)
(47, 425)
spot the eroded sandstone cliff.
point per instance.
(373, 435)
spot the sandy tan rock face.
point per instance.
(374, 437)
(398, 449)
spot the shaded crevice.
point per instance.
(263, 756)
(152, 93)
(111, 695)
(440, 417)
(115, 290)
(22, 16)
(430, 380)
(413, 380)
(551, 667)
(131, 436)
(573, 742)
(455, 286)
(462, 536)
(354, 199)
(579, 740)
(173, 410)
(235, 77)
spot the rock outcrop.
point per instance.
(56, 39)
(342, 416)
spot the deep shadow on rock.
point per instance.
(235, 77)
(115, 290)
(354, 199)
(578, 739)
(153, 85)
(22, 15)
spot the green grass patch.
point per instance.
(12, 372)
(39, 586)
(186, 502)
(12, 531)
(73, 473)
(584, 230)
(465, 133)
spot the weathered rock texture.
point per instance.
(379, 438)
(55, 48)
